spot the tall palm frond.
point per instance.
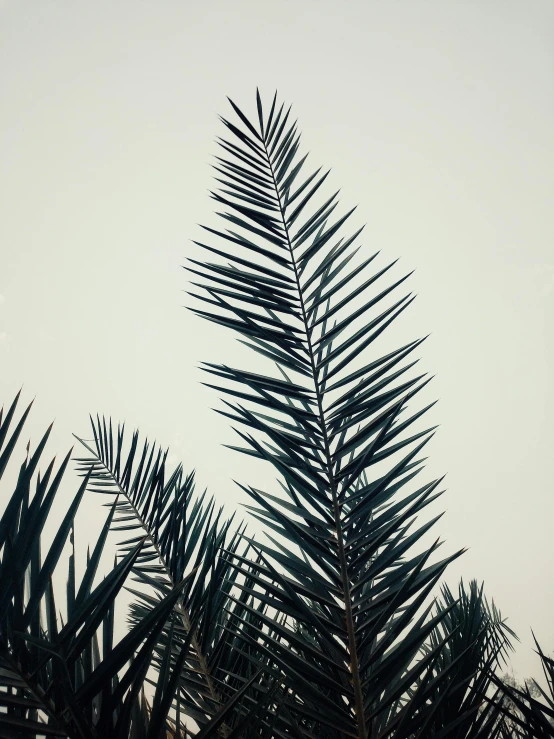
(330, 419)
(66, 677)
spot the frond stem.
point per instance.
(349, 619)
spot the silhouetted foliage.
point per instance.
(323, 627)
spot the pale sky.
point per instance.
(437, 119)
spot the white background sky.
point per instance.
(436, 118)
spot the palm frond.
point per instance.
(285, 277)
(528, 709)
(182, 530)
(65, 676)
(471, 642)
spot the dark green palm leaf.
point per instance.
(283, 281)
(471, 642)
(528, 709)
(182, 530)
(62, 675)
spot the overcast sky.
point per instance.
(437, 119)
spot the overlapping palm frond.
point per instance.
(470, 643)
(181, 531)
(528, 709)
(331, 419)
(66, 677)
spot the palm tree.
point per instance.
(325, 627)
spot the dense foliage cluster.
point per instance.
(323, 626)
